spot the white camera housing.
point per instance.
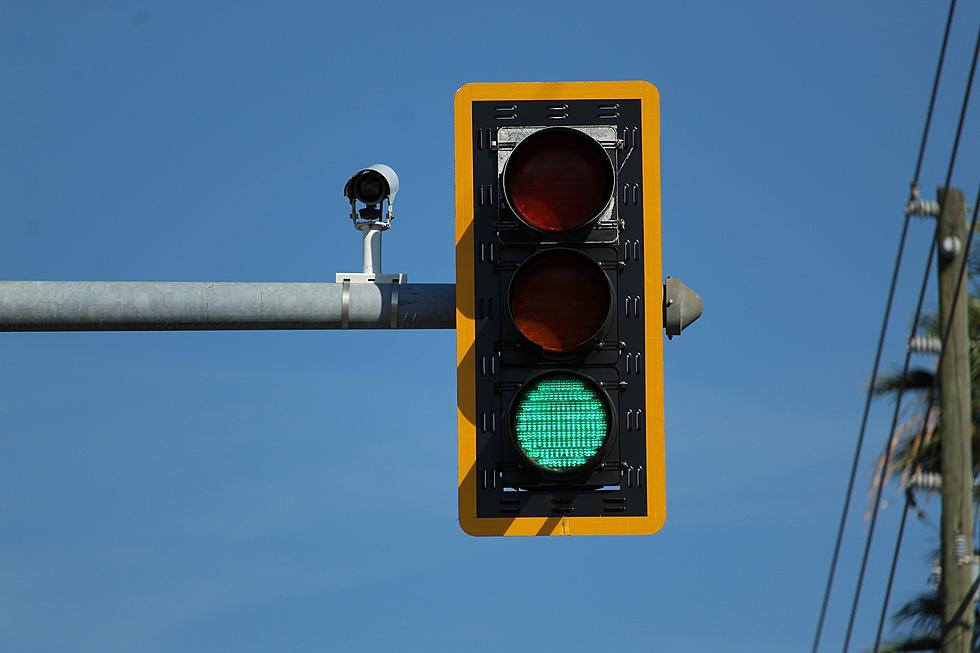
(372, 186)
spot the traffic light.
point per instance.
(560, 309)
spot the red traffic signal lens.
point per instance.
(558, 179)
(560, 300)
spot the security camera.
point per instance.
(372, 186)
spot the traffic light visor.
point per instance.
(558, 179)
(560, 300)
(561, 422)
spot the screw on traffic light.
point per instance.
(560, 309)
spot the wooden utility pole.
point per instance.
(957, 425)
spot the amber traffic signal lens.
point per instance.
(558, 179)
(560, 300)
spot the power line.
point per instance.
(909, 499)
(945, 339)
(888, 450)
(959, 125)
(908, 354)
(935, 90)
(881, 338)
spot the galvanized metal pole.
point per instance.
(957, 427)
(178, 306)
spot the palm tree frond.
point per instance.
(917, 379)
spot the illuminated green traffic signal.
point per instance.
(561, 422)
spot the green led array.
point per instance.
(561, 422)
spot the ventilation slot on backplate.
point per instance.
(631, 194)
(608, 111)
(557, 112)
(632, 363)
(614, 504)
(484, 139)
(631, 250)
(562, 505)
(510, 506)
(488, 422)
(505, 112)
(488, 365)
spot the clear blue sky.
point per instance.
(210, 491)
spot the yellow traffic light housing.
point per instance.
(559, 315)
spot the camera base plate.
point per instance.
(371, 277)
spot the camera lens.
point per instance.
(370, 187)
